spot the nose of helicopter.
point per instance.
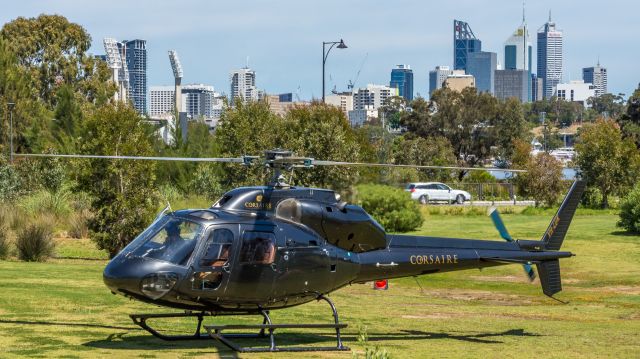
(137, 277)
(120, 276)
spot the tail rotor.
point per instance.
(502, 229)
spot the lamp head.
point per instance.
(341, 45)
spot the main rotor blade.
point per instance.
(144, 158)
(497, 221)
(364, 164)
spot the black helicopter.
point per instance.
(272, 247)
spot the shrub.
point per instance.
(392, 207)
(55, 203)
(9, 181)
(35, 243)
(4, 243)
(79, 224)
(630, 212)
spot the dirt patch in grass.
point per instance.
(619, 289)
(478, 295)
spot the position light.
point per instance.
(381, 284)
(156, 285)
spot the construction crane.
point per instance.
(351, 85)
(115, 62)
(177, 75)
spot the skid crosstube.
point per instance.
(215, 331)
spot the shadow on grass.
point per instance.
(147, 342)
(83, 325)
(624, 234)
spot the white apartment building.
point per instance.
(575, 91)
(243, 85)
(372, 96)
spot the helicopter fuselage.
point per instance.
(261, 248)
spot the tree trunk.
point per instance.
(605, 200)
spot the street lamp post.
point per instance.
(11, 105)
(325, 54)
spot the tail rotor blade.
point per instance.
(529, 271)
(497, 221)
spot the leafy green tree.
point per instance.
(606, 160)
(53, 50)
(323, 132)
(607, 105)
(542, 181)
(67, 124)
(630, 120)
(392, 110)
(431, 151)
(199, 143)
(122, 191)
(247, 129)
(510, 126)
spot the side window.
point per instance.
(432, 186)
(218, 248)
(443, 187)
(258, 248)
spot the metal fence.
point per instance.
(487, 191)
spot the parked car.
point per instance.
(426, 192)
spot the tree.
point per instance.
(510, 126)
(392, 110)
(247, 129)
(543, 179)
(607, 105)
(323, 132)
(606, 160)
(432, 151)
(53, 50)
(122, 191)
(630, 120)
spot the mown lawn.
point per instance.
(62, 309)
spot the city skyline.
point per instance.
(279, 37)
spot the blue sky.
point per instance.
(283, 39)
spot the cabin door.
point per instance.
(213, 264)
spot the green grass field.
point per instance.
(62, 309)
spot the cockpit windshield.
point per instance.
(173, 240)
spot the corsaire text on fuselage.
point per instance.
(433, 259)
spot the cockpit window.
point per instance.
(173, 242)
(218, 248)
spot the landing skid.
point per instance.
(216, 331)
(141, 320)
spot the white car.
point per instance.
(426, 192)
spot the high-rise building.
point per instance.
(134, 52)
(437, 77)
(549, 56)
(575, 91)
(243, 85)
(482, 66)
(596, 75)
(464, 42)
(512, 83)
(402, 79)
(372, 96)
(161, 101)
(536, 88)
(518, 52)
